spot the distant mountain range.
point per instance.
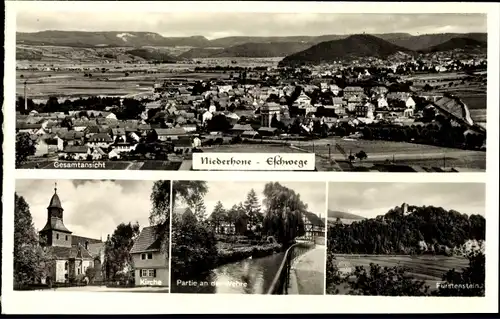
(307, 48)
(355, 46)
(333, 214)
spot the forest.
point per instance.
(425, 229)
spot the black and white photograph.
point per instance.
(92, 235)
(388, 92)
(406, 239)
(233, 237)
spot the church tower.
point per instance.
(55, 233)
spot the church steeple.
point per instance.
(55, 208)
(55, 231)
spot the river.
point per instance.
(249, 276)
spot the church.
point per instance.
(71, 255)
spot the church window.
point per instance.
(143, 256)
(66, 266)
(57, 236)
(78, 270)
(150, 256)
(66, 237)
(144, 272)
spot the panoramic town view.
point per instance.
(405, 239)
(248, 237)
(125, 239)
(363, 95)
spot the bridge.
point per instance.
(301, 271)
(456, 109)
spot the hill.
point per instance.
(200, 53)
(461, 43)
(103, 39)
(263, 50)
(400, 232)
(426, 41)
(343, 215)
(355, 46)
(152, 55)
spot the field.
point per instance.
(427, 268)
(399, 152)
(68, 82)
(73, 84)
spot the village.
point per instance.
(254, 109)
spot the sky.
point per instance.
(372, 199)
(91, 208)
(223, 24)
(231, 193)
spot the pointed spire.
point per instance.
(55, 188)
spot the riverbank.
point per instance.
(228, 253)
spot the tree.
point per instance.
(199, 209)
(194, 247)
(218, 216)
(31, 263)
(468, 282)
(218, 123)
(25, 147)
(118, 246)
(252, 208)
(361, 155)
(378, 281)
(52, 105)
(284, 209)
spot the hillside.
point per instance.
(355, 46)
(102, 39)
(152, 55)
(424, 228)
(461, 43)
(343, 215)
(200, 53)
(78, 54)
(263, 50)
(426, 41)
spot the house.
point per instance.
(75, 152)
(410, 103)
(303, 100)
(314, 227)
(382, 102)
(151, 263)
(353, 91)
(170, 133)
(100, 140)
(97, 153)
(207, 116)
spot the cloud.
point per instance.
(373, 199)
(92, 208)
(222, 24)
(231, 193)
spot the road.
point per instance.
(308, 273)
(106, 289)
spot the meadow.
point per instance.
(427, 268)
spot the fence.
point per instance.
(281, 281)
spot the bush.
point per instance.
(194, 248)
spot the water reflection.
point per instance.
(249, 276)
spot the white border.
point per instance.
(136, 303)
